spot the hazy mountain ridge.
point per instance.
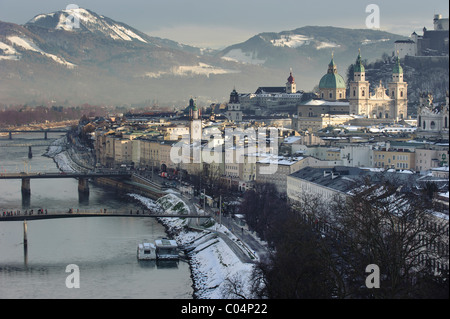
(109, 62)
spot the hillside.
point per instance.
(307, 50)
(106, 62)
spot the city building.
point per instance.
(396, 158)
(382, 104)
(432, 42)
(269, 99)
(234, 113)
(432, 120)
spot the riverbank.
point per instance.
(216, 271)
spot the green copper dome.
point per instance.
(332, 80)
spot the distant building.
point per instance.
(195, 122)
(432, 42)
(391, 104)
(234, 113)
(432, 120)
(405, 47)
(269, 99)
(335, 107)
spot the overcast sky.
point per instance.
(218, 23)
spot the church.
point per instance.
(432, 120)
(382, 104)
(336, 104)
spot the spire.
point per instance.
(397, 67)
(359, 67)
(332, 66)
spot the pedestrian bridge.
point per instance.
(83, 178)
(45, 131)
(22, 215)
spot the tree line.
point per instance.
(320, 249)
(23, 115)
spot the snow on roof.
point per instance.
(280, 160)
(324, 102)
(292, 139)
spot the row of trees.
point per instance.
(320, 249)
(23, 115)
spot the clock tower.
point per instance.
(195, 126)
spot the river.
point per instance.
(103, 248)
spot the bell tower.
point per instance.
(359, 89)
(398, 90)
(291, 87)
(195, 125)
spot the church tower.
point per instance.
(398, 90)
(234, 113)
(359, 90)
(195, 125)
(291, 87)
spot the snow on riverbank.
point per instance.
(217, 272)
(58, 150)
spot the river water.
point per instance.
(103, 248)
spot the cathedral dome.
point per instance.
(332, 81)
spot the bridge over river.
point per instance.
(22, 215)
(45, 131)
(83, 178)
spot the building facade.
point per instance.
(382, 104)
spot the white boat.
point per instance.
(146, 251)
(166, 249)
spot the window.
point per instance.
(432, 125)
(401, 93)
(354, 92)
(331, 95)
(363, 93)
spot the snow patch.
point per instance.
(367, 41)
(237, 55)
(292, 41)
(31, 46)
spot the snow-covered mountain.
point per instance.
(80, 20)
(77, 56)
